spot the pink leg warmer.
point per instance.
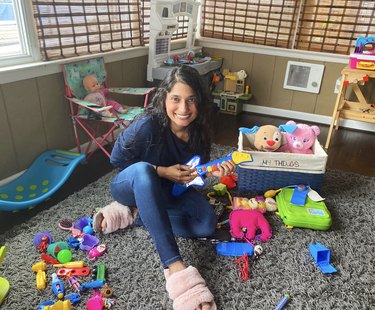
(188, 289)
(116, 215)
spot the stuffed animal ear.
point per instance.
(316, 130)
(249, 130)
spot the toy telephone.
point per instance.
(236, 157)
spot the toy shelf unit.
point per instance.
(163, 24)
(230, 100)
(230, 103)
(352, 81)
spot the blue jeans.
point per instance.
(164, 216)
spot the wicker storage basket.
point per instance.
(273, 170)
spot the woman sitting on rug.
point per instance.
(150, 154)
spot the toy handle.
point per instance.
(212, 165)
(235, 156)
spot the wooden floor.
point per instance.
(349, 150)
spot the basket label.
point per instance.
(315, 212)
(281, 163)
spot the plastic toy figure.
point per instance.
(97, 95)
(42, 240)
(97, 251)
(57, 286)
(73, 281)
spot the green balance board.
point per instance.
(4, 289)
(4, 284)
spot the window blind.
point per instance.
(315, 25)
(77, 27)
(69, 28)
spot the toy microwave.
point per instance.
(364, 54)
(362, 61)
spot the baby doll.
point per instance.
(97, 95)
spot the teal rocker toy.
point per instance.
(41, 180)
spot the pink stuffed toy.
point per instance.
(245, 223)
(302, 138)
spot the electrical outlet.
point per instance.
(337, 85)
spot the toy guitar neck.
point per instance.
(236, 157)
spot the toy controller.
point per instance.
(236, 157)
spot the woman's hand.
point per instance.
(178, 173)
(225, 168)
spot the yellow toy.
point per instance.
(41, 280)
(4, 284)
(60, 305)
(271, 193)
(234, 82)
(75, 264)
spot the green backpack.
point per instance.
(312, 214)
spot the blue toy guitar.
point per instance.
(236, 157)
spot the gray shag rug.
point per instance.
(286, 266)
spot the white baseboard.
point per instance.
(320, 119)
(293, 115)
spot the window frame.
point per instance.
(27, 34)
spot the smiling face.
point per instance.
(267, 138)
(181, 106)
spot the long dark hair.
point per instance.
(200, 130)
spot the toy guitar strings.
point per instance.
(236, 157)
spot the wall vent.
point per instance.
(303, 76)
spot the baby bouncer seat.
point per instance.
(89, 116)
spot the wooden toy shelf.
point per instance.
(359, 110)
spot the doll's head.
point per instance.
(91, 84)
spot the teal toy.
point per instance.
(42, 179)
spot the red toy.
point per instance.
(243, 265)
(230, 181)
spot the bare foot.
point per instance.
(204, 306)
(123, 110)
(176, 266)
